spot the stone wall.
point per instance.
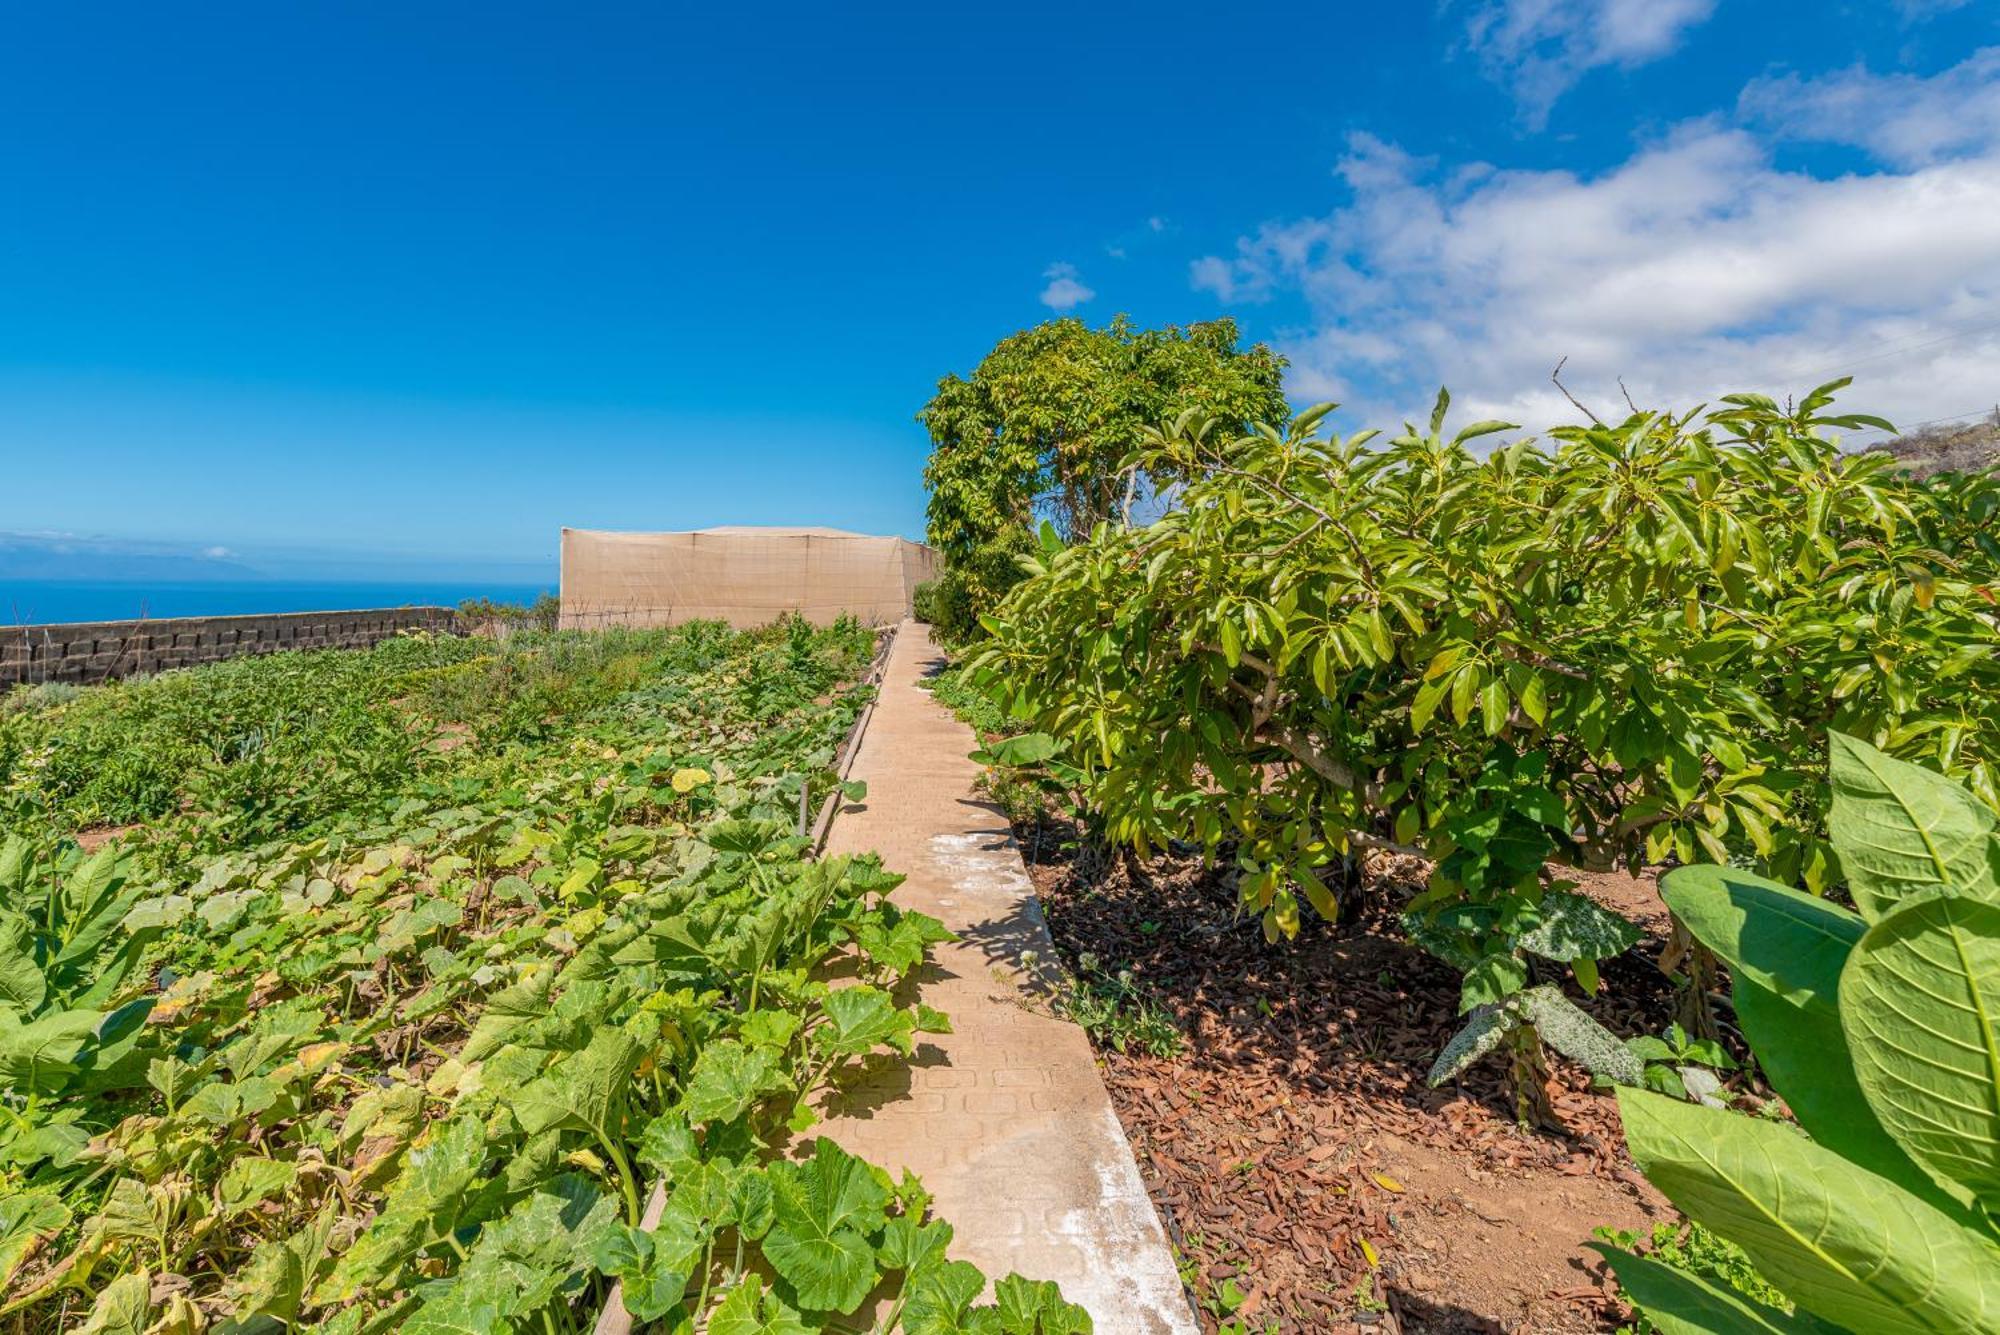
(90, 651)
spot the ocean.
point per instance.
(32, 602)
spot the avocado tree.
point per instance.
(1622, 647)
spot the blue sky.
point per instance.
(430, 281)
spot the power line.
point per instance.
(1978, 328)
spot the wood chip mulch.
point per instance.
(1257, 1140)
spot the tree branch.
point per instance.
(1556, 375)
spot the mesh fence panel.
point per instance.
(745, 576)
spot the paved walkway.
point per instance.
(1005, 1119)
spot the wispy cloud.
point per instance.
(1540, 48)
(1903, 119)
(1695, 267)
(1065, 288)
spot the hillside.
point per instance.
(1961, 447)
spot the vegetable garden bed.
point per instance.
(360, 1031)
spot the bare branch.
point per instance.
(1556, 375)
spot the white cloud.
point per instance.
(1156, 223)
(1065, 289)
(217, 553)
(1916, 10)
(1541, 48)
(1902, 119)
(1695, 268)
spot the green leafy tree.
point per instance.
(1878, 1027)
(1621, 648)
(1046, 425)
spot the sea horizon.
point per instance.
(35, 602)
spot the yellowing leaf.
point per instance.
(690, 778)
(1387, 1183)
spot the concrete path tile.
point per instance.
(1005, 1119)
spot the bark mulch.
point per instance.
(1302, 1074)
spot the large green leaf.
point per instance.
(1921, 1007)
(1786, 950)
(1803, 1052)
(1786, 940)
(1678, 1303)
(26, 1217)
(751, 1310)
(40, 1056)
(22, 983)
(727, 1079)
(865, 1018)
(122, 1308)
(826, 1208)
(1900, 828)
(1844, 1244)
(582, 1090)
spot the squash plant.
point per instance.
(1619, 647)
(415, 1062)
(1880, 1026)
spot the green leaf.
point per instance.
(1920, 1001)
(749, 1309)
(1483, 1031)
(1899, 828)
(122, 1308)
(1493, 979)
(252, 1180)
(25, 1218)
(1680, 1303)
(1790, 942)
(727, 1079)
(1030, 748)
(22, 983)
(826, 1208)
(1572, 927)
(865, 1018)
(1570, 1031)
(1846, 1245)
(39, 1057)
(582, 1090)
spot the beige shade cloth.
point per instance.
(745, 576)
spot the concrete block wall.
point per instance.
(92, 651)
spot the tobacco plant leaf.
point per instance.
(1920, 1001)
(1680, 1303)
(1848, 1246)
(22, 983)
(40, 1055)
(1786, 951)
(825, 1209)
(1899, 828)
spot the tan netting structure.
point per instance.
(743, 575)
